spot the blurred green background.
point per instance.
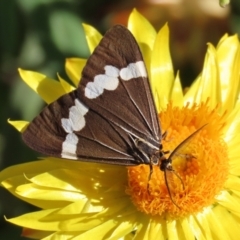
(39, 34)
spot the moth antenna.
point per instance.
(164, 135)
(169, 192)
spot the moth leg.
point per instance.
(164, 135)
(179, 179)
(149, 177)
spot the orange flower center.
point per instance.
(200, 165)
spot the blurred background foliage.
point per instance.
(39, 34)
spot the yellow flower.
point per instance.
(95, 201)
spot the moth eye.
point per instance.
(164, 165)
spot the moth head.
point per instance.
(166, 165)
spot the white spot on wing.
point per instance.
(133, 70)
(69, 146)
(111, 71)
(108, 81)
(75, 122)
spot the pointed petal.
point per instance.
(218, 232)
(63, 179)
(136, 24)
(172, 230)
(27, 168)
(155, 230)
(66, 86)
(19, 125)
(230, 225)
(233, 140)
(162, 74)
(36, 219)
(142, 232)
(208, 85)
(233, 183)
(176, 95)
(74, 67)
(62, 235)
(190, 95)
(228, 55)
(14, 176)
(233, 126)
(186, 229)
(203, 223)
(82, 206)
(124, 227)
(47, 88)
(32, 191)
(93, 37)
(229, 202)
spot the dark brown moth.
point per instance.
(111, 117)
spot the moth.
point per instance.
(111, 117)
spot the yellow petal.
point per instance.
(27, 168)
(62, 235)
(231, 226)
(81, 206)
(142, 228)
(36, 220)
(100, 231)
(172, 230)
(176, 95)
(93, 37)
(11, 185)
(208, 84)
(66, 86)
(156, 229)
(186, 229)
(47, 88)
(229, 202)
(200, 220)
(233, 140)
(228, 55)
(192, 92)
(233, 125)
(218, 232)
(162, 74)
(74, 67)
(234, 167)
(19, 125)
(14, 176)
(210, 79)
(233, 183)
(124, 227)
(48, 194)
(63, 179)
(137, 24)
(223, 38)
(77, 220)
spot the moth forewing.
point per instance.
(112, 102)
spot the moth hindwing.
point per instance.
(110, 117)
